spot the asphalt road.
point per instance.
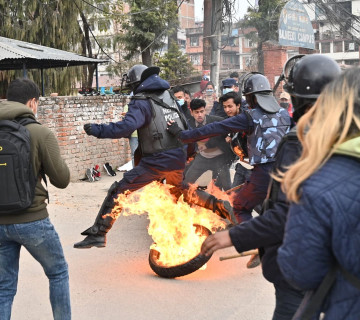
(117, 282)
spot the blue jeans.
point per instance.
(287, 302)
(42, 241)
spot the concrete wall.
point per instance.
(65, 116)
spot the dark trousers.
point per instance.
(219, 166)
(141, 176)
(253, 193)
(287, 302)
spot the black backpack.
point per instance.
(17, 178)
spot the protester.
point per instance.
(162, 155)
(30, 226)
(228, 85)
(200, 94)
(266, 231)
(285, 102)
(322, 242)
(179, 94)
(265, 124)
(231, 103)
(214, 154)
(235, 75)
(187, 98)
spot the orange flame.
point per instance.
(171, 223)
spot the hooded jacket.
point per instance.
(324, 228)
(138, 116)
(45, 153)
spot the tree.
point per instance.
(55, 24)
(265, 19)
(145, 29)
(174, 64)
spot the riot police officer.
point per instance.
(264, 123)
(162, 156)
(305, 77)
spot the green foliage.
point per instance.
(265, 19)
(56, 24)
(174, 64)
(147, 26)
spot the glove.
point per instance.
(87, 128)
(174, 129)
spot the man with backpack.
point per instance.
(28, 152)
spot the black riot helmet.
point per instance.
(255, 82)
(305, 79)
(258, 85)
(137, 74)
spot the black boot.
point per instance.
(224, 209)
(91, 241)
(203, 199)
(96, 234)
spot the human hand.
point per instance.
(216, 241)
(173, 128)
(228, 139)
(87, 128)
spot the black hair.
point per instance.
(22, 90)
(177, 89)
(197, 104)
(234, 75)
(209, 84)
(187, 92)
(231, 95)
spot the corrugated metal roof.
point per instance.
(14, 53)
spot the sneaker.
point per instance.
(253, 262)
(90, 175)
(109, 169)
(96, 173)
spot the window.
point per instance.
(194, 41)
(351, 45)
(325, 47)
(338, 46)
(195, 59)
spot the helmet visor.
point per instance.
(289, 65)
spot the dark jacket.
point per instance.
(45, 152)
(139, 115)
(267, 230)
(218, 141)
(324, 228)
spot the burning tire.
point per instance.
(182, 269)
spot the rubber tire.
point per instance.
(181, 269)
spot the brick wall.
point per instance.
(65, 116)
(275, 57)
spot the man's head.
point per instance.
(231, 103)
(257, 91)
(137, 74)
(306, 78)
(229, 85)
(24, 91)
(235, 76)
(197, 107)
(179, 93)
(187, 95)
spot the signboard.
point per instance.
(295, 28)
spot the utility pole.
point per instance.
(207, 46)
(216, 41)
